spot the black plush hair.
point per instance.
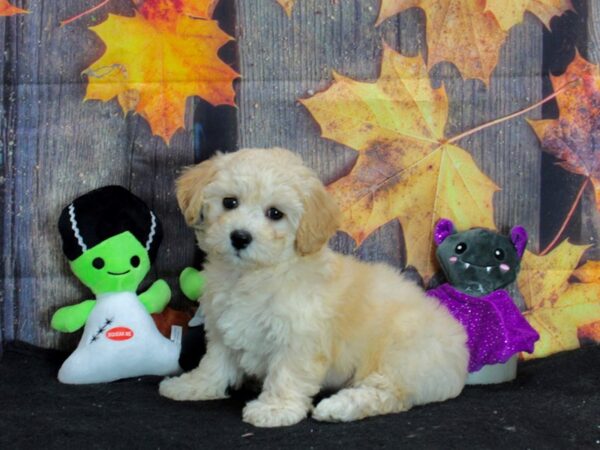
(103, 213)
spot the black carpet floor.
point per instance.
(554, 403)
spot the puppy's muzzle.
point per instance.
(240, 239)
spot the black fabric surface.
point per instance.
(554, 403)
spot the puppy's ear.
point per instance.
(320, 221)
(189, 187)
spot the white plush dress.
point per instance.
(120, 340)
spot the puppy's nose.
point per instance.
(240, 239)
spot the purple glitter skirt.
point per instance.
(495, 328)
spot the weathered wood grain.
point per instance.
(284, 59)
(4, 140)
(62, 148)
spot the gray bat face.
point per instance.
(478, 261)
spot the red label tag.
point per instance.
(119, 333)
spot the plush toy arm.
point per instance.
(191, 282)
(156, 298)
(69, 319)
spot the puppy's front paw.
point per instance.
(187, 388)
(273, 413)
(358, 403)
(334, 409)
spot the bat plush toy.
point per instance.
(477, 264)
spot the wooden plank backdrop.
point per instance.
(55, 147)
(5, 131)
(59, 147)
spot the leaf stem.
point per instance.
(510, 116)
(84, 13)
(567, 219)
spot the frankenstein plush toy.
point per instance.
(477, 264)
(111, 237)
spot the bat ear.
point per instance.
(518, 236)
(443, 229)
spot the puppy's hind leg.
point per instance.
(372, 396)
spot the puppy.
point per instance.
(283, 307)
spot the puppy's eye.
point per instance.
(274, 214)
(230, 203)
(461, 248)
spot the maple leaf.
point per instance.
(166, 58)
(287, 5)
(543, 279)
(405, 169)
(589, 332)
(6, 9)
(574, 138)
(511, 12)
(558, 308)
(169, 9)
(589, 272)
(458, 31)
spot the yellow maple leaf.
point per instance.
(543, 279)
(6, 9)
(405, 169)
(287, 5)
(510, 12)
(159, 65)
(589, 273)
(558, 307)
(458, 31)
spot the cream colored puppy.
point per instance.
(283, 307)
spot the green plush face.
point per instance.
(117, 264)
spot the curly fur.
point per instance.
(299, 316)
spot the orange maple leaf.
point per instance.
(590, 332)
(169, 9)
(589, 272)
(405, 168)
(6, 9)
(287, 5)
(166, 58)
(574, 137)
(510, 12)
(558, 307)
